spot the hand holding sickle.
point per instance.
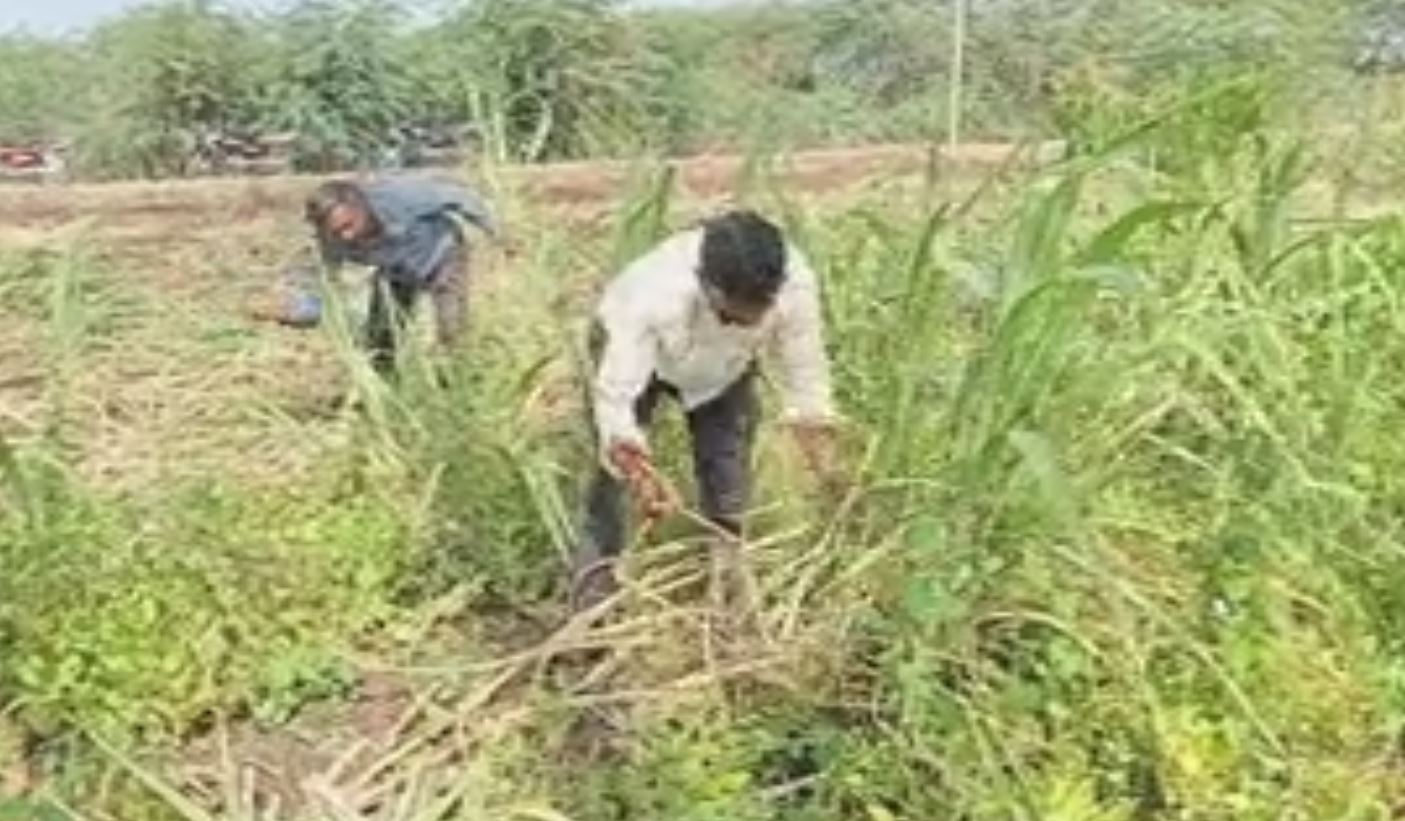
(656, 497)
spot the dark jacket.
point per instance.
(420, 221)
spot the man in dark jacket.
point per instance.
(413, 233)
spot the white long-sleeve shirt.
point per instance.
(658, 323)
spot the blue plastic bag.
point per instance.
(303, 310)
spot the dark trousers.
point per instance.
(721, 430)
(393, 300)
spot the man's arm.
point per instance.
(297, 297)
(804, 372)
(318, 267)
(804, 375)
(332, 252)
(626, 366)
(471, 207)
(305, 270)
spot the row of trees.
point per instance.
(571, 78)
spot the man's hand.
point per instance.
(818, 445)
(655, 496)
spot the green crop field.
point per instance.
(1123, 535)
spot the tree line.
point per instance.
(142, 93)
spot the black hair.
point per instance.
(329, 195)
(743, 256)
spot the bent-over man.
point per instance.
(690, 320)
(413, 233)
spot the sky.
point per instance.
(52, 17)
(60, 16)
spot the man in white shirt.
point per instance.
(690, 320)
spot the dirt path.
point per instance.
(181, 205)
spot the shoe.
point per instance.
(592, 585)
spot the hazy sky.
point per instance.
(59, 16)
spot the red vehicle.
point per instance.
(20, 158)
(31, 163)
